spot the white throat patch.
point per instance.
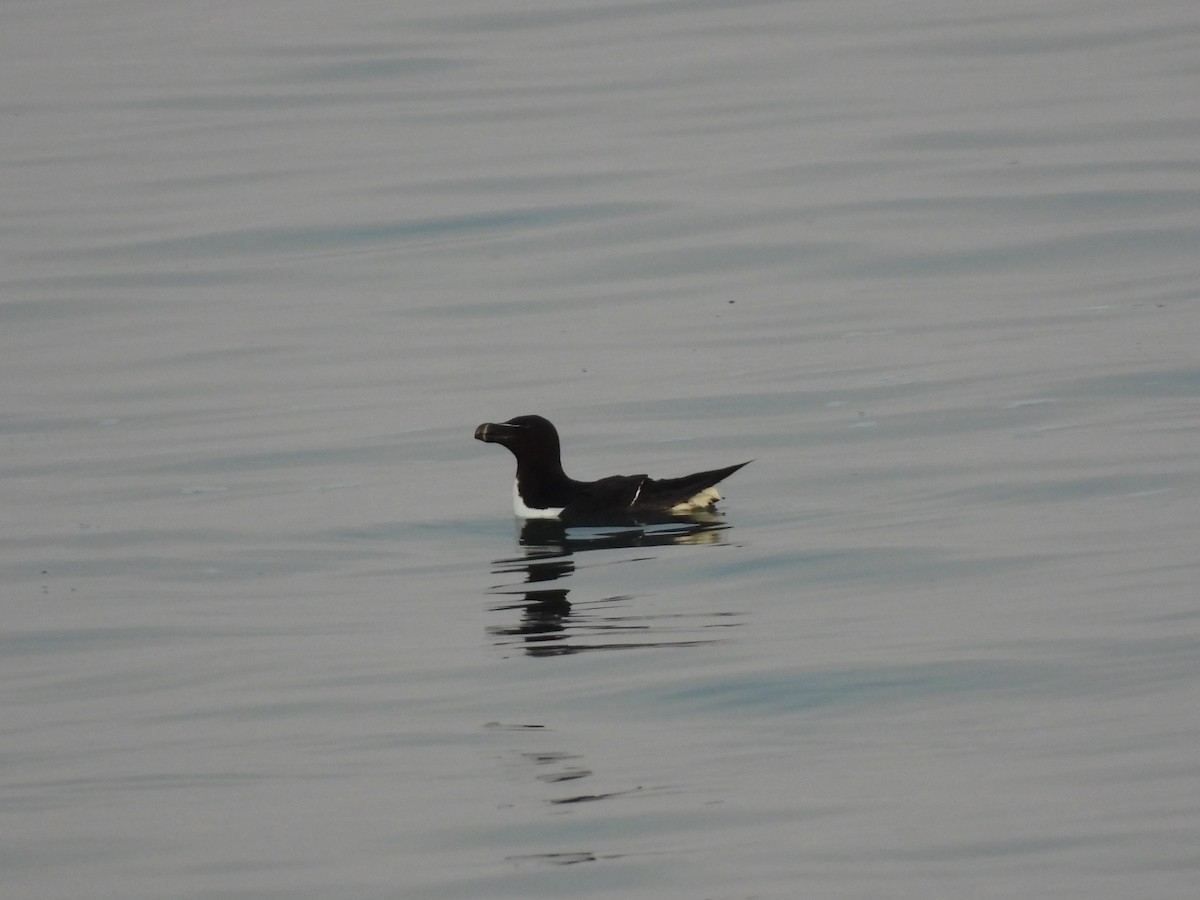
(528, 512)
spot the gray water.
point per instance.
(270, 629)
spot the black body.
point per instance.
(543, 485)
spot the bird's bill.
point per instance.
(495, 433)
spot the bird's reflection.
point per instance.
(553, 537)
(551, 625)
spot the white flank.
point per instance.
(528, 512)
(700, 500)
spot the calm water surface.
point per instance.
(270, 630)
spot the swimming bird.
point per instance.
(543, 490)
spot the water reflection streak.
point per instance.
(552, 625)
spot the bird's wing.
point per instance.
(617, 492)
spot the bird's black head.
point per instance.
(525, 436)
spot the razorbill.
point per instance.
(543, 490)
